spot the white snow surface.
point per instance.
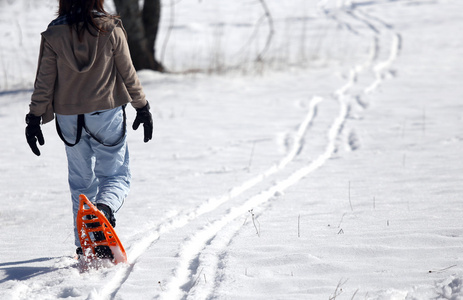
(332, 169)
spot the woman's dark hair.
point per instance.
(80, 14)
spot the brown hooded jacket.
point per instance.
(76, 77)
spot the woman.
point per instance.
(85, 77)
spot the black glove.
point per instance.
(34, 133)
(144, 116)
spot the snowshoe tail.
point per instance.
(97, 237)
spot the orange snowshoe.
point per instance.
(97, 236)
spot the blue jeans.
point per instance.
(100, 172)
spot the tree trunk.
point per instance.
(142, 30)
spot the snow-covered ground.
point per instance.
(332, 170)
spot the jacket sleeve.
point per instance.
(126, 69)
(44, 86)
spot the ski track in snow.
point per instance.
(201, 254)
(197, 245)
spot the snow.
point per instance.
(332, 170)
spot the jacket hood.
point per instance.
(80, 56)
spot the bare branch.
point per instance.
(169, 30)
(271, 30)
